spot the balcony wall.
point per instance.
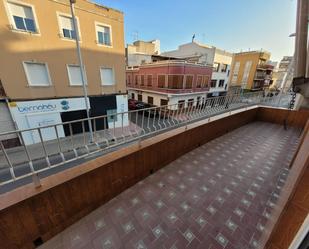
(28, 214)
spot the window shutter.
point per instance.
(107, 76)
(66, 23)
(75, 75)
(20, 10)
(37, 74)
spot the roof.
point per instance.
(103, 6)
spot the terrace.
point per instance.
(216, 174)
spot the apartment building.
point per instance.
(251, 71)
(39, 73)
(221, 61)
(169, 82)
(141, 52)
(283, 74)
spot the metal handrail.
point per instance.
(140, 124)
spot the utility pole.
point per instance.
(81, 65)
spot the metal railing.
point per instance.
(58, 144)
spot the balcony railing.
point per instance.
(29, 160)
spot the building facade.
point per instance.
(283, 74)
(221, 72)
(208, 55)
(169, 82)
(39, 71)
(251, 71)
(141, 52)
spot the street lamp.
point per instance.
(81, 66)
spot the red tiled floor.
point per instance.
(218, 196)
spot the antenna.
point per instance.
(135, 35)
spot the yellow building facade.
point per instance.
(250, 70)
(38, 51)
(40, 77)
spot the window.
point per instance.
(221, 83)
(161, 81)
(224, 68)
(150, 100)
(181, 104)
(75, 75)
(107, 76)
(142, 80)
(213, 83)
(23, 17)
(199, 81)
(149, 80)
(140, 97)
(198, 100)
(128, 79)
(205, 81)
(189, 82)
(175, 81)
(235, 72)
(67, 27)
(103, 34)
(216, 67)
(136, 80)
(190, 102)
(163, 102)
(132, 95)
(246, 73)
(37, 74)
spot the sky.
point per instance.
(232, 25)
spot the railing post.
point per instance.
(59, 143)
(44, 148)
(72, 140)
(84, 135)
(27, 153)
(8, 161)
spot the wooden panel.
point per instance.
(273, 115)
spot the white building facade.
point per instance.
(219, 59)
(221, 72)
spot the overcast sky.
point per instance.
(232, 25)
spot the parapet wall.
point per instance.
(30, 214)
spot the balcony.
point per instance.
(264, 67)
(213, 174)
(169, 90)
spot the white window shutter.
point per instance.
(37, 74)
(75, 75)
(66, 22)
(107, 76)
(20, 10)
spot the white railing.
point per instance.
(29, 160)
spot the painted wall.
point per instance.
(135, 59)
(49, 47)
(206, 53)
(171, 98)
(242, 58)
(221, 57)
(164, 68)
